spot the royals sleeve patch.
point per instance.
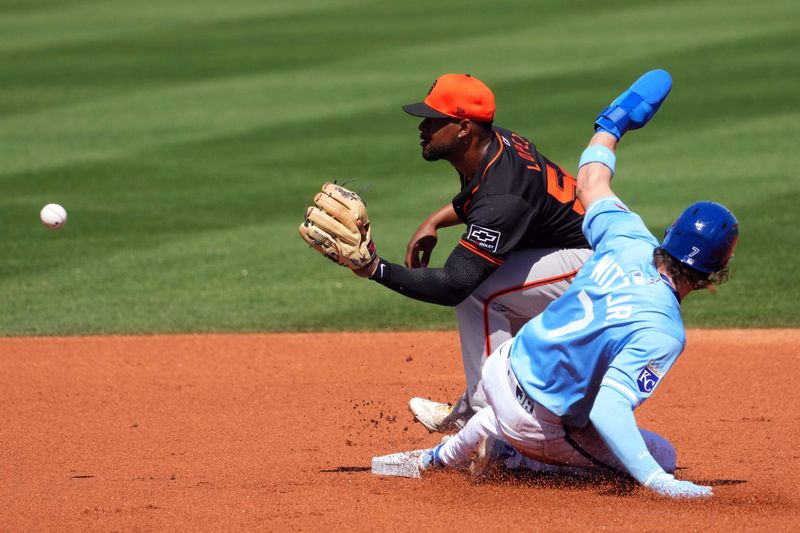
(648, 379)
(488, 239)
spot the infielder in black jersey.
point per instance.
(523, 242)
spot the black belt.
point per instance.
(522, 397)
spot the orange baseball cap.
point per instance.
(456, 96)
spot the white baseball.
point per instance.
(53, 216)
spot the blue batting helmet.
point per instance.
(703, 237)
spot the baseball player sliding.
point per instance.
(521, 247)
(564, 389)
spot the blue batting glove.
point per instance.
(636, 106)
(666, 485)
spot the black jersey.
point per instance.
(518, 199)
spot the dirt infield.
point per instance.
(276, 432)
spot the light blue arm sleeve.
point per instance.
(612, 417)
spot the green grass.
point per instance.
(186, 137)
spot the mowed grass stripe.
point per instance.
(236, 284)
(35, 24)
(189, 51)
(100, 126)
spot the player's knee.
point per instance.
(661, 449)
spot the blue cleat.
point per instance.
(635, 107)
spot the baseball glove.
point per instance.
(330, 227)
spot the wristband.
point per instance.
(381, 271)
(657, 474)
(597, 153)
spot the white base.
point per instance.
(401, 464)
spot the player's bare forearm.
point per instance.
(444, 217)
(594, 179)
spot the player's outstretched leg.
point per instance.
(636, 106)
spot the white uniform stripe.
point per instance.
(577, 325)
(622, 389)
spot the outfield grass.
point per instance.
(185, 138)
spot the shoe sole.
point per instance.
(446, 427)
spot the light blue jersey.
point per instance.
(618, 325)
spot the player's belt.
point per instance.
(522, 397)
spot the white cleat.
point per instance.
(434, 416)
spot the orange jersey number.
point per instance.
(565, 191)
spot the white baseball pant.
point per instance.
(538, 435)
